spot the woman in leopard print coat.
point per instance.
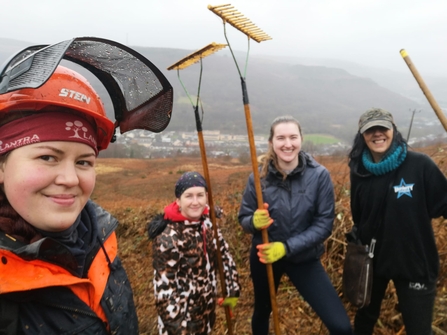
(185, 262)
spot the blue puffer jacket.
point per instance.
(302, 207)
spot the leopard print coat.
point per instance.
(185, 275)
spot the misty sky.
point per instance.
(368, 32)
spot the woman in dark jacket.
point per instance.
(185, 262)
(59, 269)
(299, 214)
(394, 195)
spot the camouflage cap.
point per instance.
(375, 117)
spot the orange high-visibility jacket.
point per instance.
(49, 298)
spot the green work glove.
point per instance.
(271, 252)
(228, 301)
(261, 218)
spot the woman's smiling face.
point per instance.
(192, 202)
(49, 183)
(378, 139)
(286, 143)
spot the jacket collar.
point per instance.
(304, 160)
(51, 250)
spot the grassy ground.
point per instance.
(320, 139)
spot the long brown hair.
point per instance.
(11, 222)
(271, 156)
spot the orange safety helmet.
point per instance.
(65, 88)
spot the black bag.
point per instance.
(357, 274)
(358, 265)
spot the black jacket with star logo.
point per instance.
(417, 192)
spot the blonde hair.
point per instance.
(271, 156)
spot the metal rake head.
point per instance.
(229, 14)
(196, 56)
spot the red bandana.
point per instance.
(45, 127)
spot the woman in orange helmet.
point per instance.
(59, 270)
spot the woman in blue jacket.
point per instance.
(298, 215)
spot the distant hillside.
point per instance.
(325, 99)
(401, 81)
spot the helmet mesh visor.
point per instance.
(142, 97)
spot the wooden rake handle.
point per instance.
(424, 88)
